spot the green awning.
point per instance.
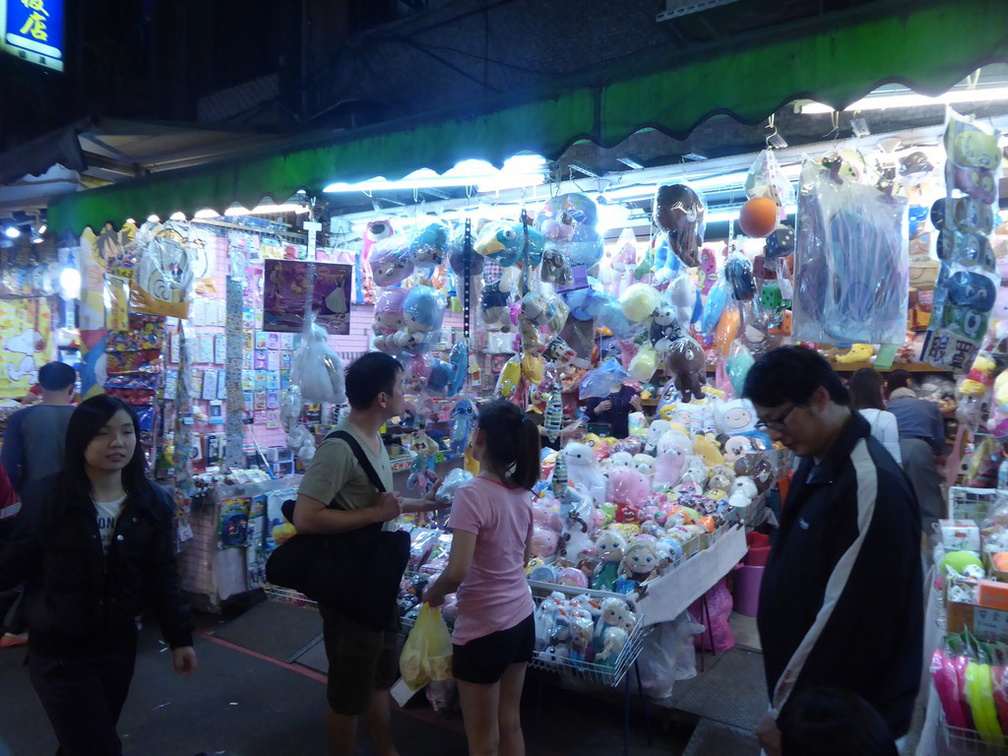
(928, 46)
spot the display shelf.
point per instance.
(971, 503)
(910, 367)
(960, 740)
(288, 596)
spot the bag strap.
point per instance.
(358, 452)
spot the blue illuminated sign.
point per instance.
(33, 31)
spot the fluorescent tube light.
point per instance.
(518, 171)
(910, 99)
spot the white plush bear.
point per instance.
(743, 493)
(584, 471)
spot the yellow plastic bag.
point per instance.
(427, 653)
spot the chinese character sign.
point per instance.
(33, 31)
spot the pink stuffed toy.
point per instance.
(544, 541)
(628, 489)
(670, 462)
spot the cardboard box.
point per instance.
(960, 535)
(993, 594)
(984, 622)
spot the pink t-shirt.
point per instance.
(494, 595)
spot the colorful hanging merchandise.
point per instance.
(851, 258)
(163, 279)
(967, 287)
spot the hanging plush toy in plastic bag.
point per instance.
(164, 276)
(317, 369)
(967, 287)
(851, 260)
(680, 211)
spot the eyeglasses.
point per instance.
(777, 424)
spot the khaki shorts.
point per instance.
(361, 661)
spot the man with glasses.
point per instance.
(841, 603)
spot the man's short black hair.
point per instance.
(897, 379)
(56, 376)
(791, 374)
(369, 375)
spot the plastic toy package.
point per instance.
(163, 279)
(317, 369)
(851, 261)
(967, 287)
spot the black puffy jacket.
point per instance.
(77, 598)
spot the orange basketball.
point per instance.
(758, 217)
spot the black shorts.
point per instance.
(485, 659)
(361, 661)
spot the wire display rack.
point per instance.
(972, 503)
(288, 596)
(960, 740)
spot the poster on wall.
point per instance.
(285, 292)
(25, 329)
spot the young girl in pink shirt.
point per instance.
(491, 521)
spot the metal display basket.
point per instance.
(971, 503)
(288, 596)
(960, 740)
(604, 674)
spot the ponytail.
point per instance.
(512, 443)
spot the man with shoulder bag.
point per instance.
(340, 496)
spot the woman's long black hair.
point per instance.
(85, 422)
(866, 389)
(512, 443)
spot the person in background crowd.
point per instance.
(850, 516)
(615, 410)
(12, 622)
(34, 395)
(491, 522)
(363, 663)
(94, 545)
(833, 722)
(33, 441)
(922, 444)
(866, 397)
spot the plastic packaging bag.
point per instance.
(852, 264)
(719, 608)
(668, 655)
(317, 369)
(427, 653)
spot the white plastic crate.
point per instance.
(971, 503)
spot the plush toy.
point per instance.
(423, 448)
(624, 263)
(669, 463)
(462, 423)
(639, 302)
(581, 631)
(644, 464)
(680, 212)
(655, 431)
(423, 309)
(391, 261)
(664, 329)
(558, 351)
(721, 482)
(640, 561)
(494, 303)
(609, 547)
(743, 492)
(618, 459)
(429, 245)
(544, 541)
(615, 613)
(614, 640)
(687, 362)
(694, 471)
(578, 517)
(555, 268)
(708, 451)
(628, 489)
(584, 471)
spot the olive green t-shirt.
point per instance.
(335, 473)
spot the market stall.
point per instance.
(230, 332)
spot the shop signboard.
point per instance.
(33, 31)
(290, 284)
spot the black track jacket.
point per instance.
(841, 602)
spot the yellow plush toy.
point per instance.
(857, 353)
(708, 450)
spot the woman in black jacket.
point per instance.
(94, 546)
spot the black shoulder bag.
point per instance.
(357, 572)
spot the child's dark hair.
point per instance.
(369, 375)
(833, 722)
(84, 425)
(866, 389)
(512, 443)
